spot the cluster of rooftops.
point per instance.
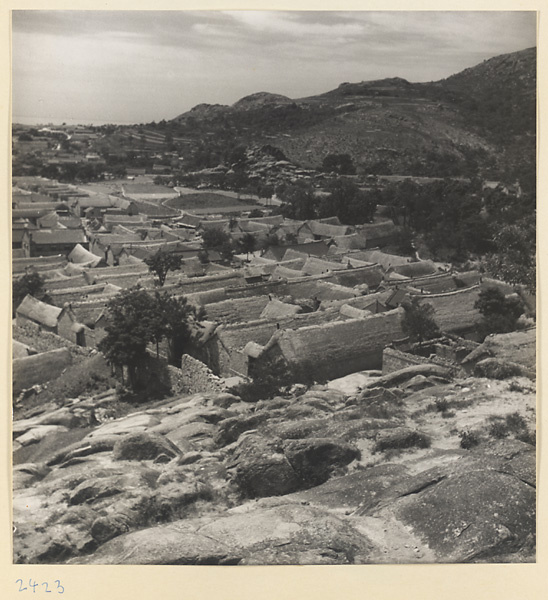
(326, 297)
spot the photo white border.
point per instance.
(367, 582)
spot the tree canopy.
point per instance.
(247, 244)
(418, 321)
(136, 319)
(161, 263)
(217, 239)
(500, 314)
(348, 202)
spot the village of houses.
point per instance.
(326, 301)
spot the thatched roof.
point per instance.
(315, 266)
(49, 220)
(276, 309)
(467, 278)
(354, 262)
(354, 241)
(236, 310)
(95, 201)
(281, 272)
(270, 220)
(433, 284)
(341, 347)
(80, 255)
(207, 297)
(53, 237)
(19, 350)
(376, 233)
(253, 226)
(351, 312)
(39, 312)
(382, 258)
(369, 275)
(325, 230)
(371, 302)
(455, 311)
(416, 269)
(222, 224)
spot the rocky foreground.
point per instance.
(351, 472)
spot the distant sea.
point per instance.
(49, 121)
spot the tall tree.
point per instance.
(349, 203)
(136, 319)
(131, 327)
(162, 263)
(247, 244)
(418, 320)
(500, 314)
(178, 320)
(299, 201)
(217, 239)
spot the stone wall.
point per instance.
(39, 368)
(336, 349)
(394, 360)
(195, 377)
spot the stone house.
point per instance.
(50, 242)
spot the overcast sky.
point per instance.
(102, 66)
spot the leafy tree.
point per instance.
(177, 319)
(500, 314)
(515, 258)
(265, 191)
(161, 263)
(347, 202)
(131, 327)
(218, 239)
(299, 201)
(32, 284)
(247, 244)
(418, 321)
(268, 379)
(214, 238)
(256, 213)
(136, 319)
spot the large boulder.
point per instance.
(230, 429)
(262, 469)
(285, 533)
(477, 516)
(316, 459)
(144, 446)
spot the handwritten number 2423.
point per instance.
(33, 585)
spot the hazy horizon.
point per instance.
(97, 67)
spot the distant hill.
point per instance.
(478, 121)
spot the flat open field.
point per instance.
(203, 200)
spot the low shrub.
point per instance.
(469, 439)
(515, 422)
(498, 430)
(528, 437)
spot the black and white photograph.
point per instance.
(274, 287)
